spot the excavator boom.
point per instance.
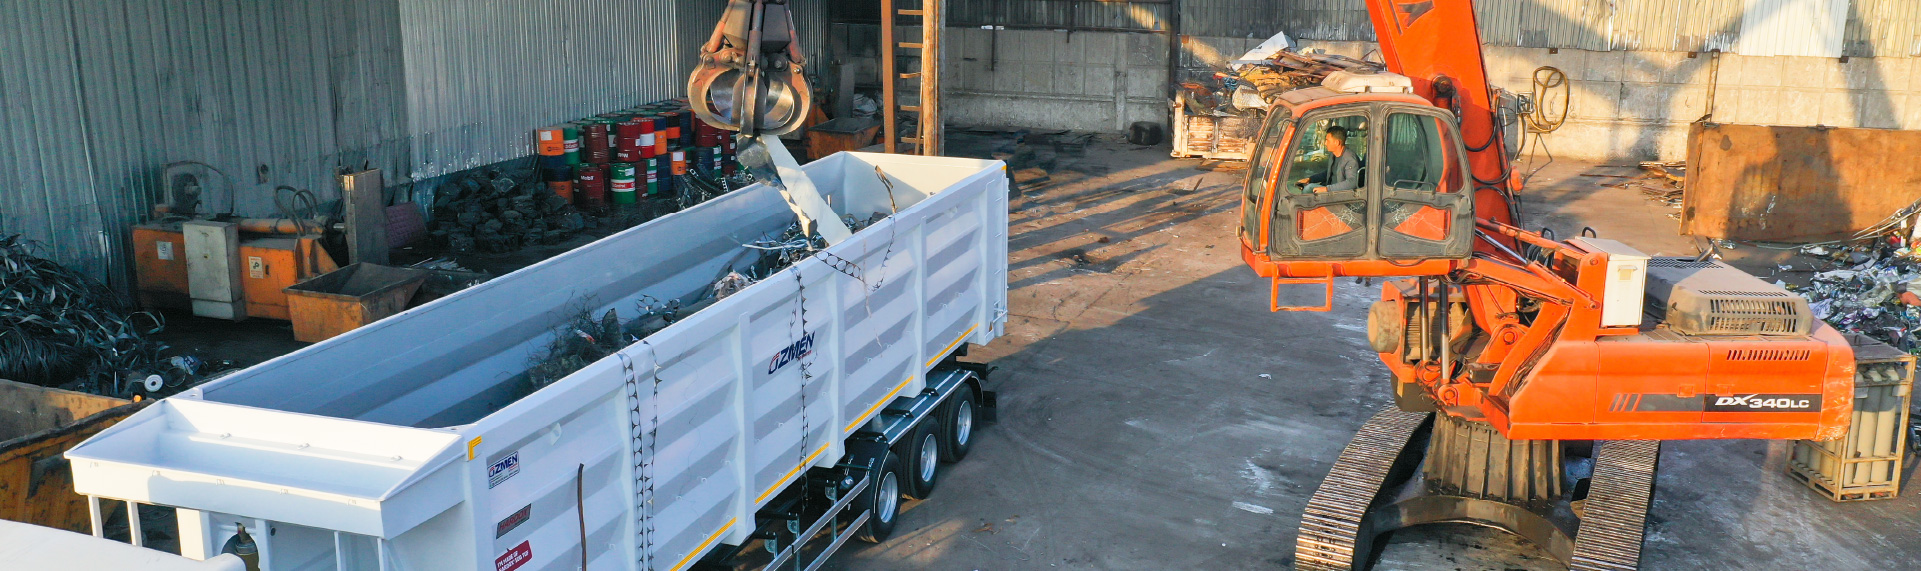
(1436, 44)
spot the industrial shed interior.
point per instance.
(991, 284)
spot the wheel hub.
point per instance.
(963, 422)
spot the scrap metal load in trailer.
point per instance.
(654, 400)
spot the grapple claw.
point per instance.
(751, 74)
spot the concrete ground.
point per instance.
(1155, 415)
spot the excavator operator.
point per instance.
(1343, 170)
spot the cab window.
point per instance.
(1267, 152)
(1329, 154)
(1421, 155)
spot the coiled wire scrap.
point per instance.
(61, 328)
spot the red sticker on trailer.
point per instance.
(514, 558)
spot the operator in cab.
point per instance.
(1343, 172)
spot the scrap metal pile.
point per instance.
(1250, 83)
(495, 211)
(492, 211)
(59, 328)
(585, 338)
(1288, 70)
(1863, 293)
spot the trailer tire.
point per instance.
(881, 500)
(957, 425)
(920, 453)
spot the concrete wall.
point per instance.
(1040, 79)
(1624, 105)
(1045, 79)
(1636, 105)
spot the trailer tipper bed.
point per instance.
(801, 406)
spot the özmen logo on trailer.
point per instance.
(795, 352)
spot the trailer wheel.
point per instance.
(921, 455)
(957, 426)
(882, 500)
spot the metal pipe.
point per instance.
(1174, 58)
(1447, 348)
(1427, 321)
(286, 226)
(1503, 248)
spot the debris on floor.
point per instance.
(1659, 182)
(59, 328)
(1675, 172)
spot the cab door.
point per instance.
(1426, 204)
(1257, 190)
(1321, 210)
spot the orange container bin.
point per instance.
(346, 299)
(160, 266)
(37, 425)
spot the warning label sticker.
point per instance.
(514, 558)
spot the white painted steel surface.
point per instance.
(412, 444)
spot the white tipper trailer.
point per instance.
(791, 415)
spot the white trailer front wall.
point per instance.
(652, 456)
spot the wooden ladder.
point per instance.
(927, 139)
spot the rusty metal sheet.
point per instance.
(1766, 183)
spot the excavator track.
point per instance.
(1336, 531)
(1337, 511)
(1616, 508)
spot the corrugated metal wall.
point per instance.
(96, 96)
(1872, 27)
(1538, 24)
(481, 76)
(1671, 25)
(1308, 19)
(1883, 27)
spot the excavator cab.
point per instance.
(1367, 185)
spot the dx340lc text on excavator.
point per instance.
(1533, 377)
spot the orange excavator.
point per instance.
(1533, 377)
